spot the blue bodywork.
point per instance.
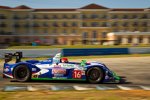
(52, 69)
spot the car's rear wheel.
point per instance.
(22, 73)
(95, 75)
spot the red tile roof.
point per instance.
(21, 7)
(55, 9)
(127, 9)
(4, 7)
(93, 6)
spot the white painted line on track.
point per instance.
(31, 88)
(81, 88)
(105, 88)
(124, 87)
(145, 87)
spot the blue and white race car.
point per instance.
(57, 68)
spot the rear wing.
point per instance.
(9, 56)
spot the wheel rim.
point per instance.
(21, 73)
(94, 74)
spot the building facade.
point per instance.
(91, 24)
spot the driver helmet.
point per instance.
(64, 60)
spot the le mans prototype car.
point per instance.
(57, 68)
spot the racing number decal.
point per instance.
(77, 74)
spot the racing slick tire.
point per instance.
(95, 75)
(22, 73)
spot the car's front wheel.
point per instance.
(95, 75)
(22, 73)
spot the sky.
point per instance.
(77, 3)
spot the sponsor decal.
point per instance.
(59, 77)
(33, 69)
(77, 74)
(58, 70)
(35, 76)
(83, 72)
(6, 70)
(57, 65)
(69, 65)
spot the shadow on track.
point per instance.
(123, 81)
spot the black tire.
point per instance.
(22, 73)
(95, 75)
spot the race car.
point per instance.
(57, 68)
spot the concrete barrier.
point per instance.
(143, 50)
(32, 52)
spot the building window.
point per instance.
(64, 31)
(54, 24)
(94, 35)
(119, 39)
(2, 16)
(104, 24)
(84, 16)
(145, 24)
(104, 34)
(3, 25)
(55, 17)
(74, 24)
(104, 16)
(64, 24)
(135, 24)
(45, 17)
(16, 25)
(125, 16)
(94, 24)
(74, 31)
(84, 35)
(134, 16)
(36, 25)
(129, 39)
(93, 16)
(27, 16)
(115, 24)
(74, 16)
(45, 24)
(35, 17)
(145, 16)
(64, 16)
(84, 24)
(135, 29)
(114, 16)
(16, 17)
(125, 24)
(140, 39)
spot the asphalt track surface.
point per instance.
(135, 70)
